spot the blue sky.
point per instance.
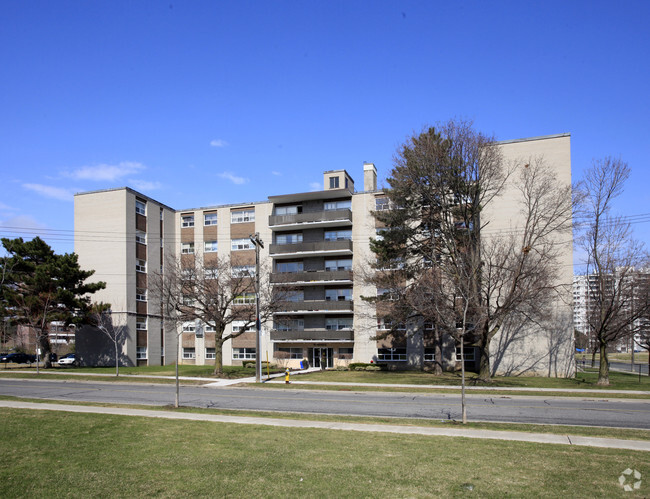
(198, 103)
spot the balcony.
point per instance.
(343, 247)
(312, 335)
(317, 306)
(317, 276)
(323, 218)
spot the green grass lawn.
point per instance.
(86, 455)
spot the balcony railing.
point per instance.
(315, 247)
(313, 335)
(314, 276)
(311, 217)
(294, 306)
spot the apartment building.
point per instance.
(315, 245)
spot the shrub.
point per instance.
(373, 368)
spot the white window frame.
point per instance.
(209, 328)
(289, 325)
(341, 294)
(141, 266)
(289, 238)
(244, 299)
(210, 219)
(210, 355)
(338, 326)
(244, 353)
(344, 204)
(241, 244)
(141, 295)
(397, 354)
(189, 327)
(238, 325)
(429, 354)
(294, 352)
(141, 207)
(140, 237)
(337, 266)
(210, 246)
(187, 248)
(141, 353)
(330, 233)
(243, 271)
(382, 204)
(282, 267)
(211, 273)
(242, 216)
(141, 323)
(470, 354)
(187, 221)
(189, 353)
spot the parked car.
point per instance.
(68, 360)
(18, 358)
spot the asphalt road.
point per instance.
(541, 410)
(620, 366)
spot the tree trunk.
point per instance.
(603, 370)
(218, 358)
(484, 364)
(593, 357)
(117, 360)
(437, 365)
(46, 349)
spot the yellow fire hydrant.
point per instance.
(286, 376)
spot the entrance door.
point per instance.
(322, 357)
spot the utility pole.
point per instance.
(255, 239)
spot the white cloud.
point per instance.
(5, 207)
(144, 185)
(315, 186)
(233, 178)
(277, 174)
(106, 172)
(50, 192)
(218, 143)
(22, 222)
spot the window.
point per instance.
(429, 355)
(210, 328)
(379, 234)
(243, 327)
(140, 266)
(387, 294)
(288, 238)
(344, 294)
(243, 271)
(469, 354)
(241, 244)
(289, 324)
(338, 205)
(211, 273)
(382, 204)
(391, 354)
(141, 353)
(387, 324)
(210, 246)
(140, 207)
(288, 267)
(243, 353)
(241, 216)
(338, 235)
(141, 294)
(210, 353)
(289, 353)
(244, 299)
(189, 327)
(346, 351)
(340, 264)
(189, 353)
(288, 210)
(141, 237)
(189, 301)
(187, 248)
(334, 182)
(187, 221)
(338, 323)
(294, 296)
(141, 323)
(210, 219)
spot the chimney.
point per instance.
(369, 177)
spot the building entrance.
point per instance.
(321, 357)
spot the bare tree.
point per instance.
(474, 280)
(215, 294)
(614, 257)
(114, 329)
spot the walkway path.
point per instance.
(637, 445)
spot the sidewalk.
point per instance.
(542, 438)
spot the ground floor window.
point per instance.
(189, 353)
(141, 353)
(289, 353)
(469, 354)
(429, 354)
(243, 353)
(210, 353)
(392, 354)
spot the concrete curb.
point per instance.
(611, 443)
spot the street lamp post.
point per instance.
(255, 239)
